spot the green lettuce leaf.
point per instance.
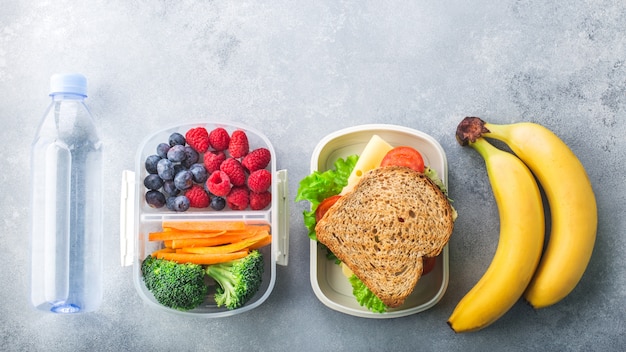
(365, 297)
(320, 185)
(434, 176)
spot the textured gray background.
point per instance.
(299, 70)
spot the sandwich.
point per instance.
(383, 216)
(384, 227)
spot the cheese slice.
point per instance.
(347, 272)
(373, 153)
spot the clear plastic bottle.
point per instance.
(66, 226)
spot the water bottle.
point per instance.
(66, 231)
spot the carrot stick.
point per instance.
(162, 250)
(261, 243)
(204, 226)
(202, 259)
(258, 227)
(229, 248)
(177, 234)
(211, 241)
(212, 225)
(250, 231)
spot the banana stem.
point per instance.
(483, 147)
(470, 133)
(469, 130)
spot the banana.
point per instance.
(520, 244)
(572, 203)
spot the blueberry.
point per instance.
(151, 163)
(169, 203)
(153, 181)
(218, 203)
(200, 175)
(165, 169)
(183, 180)
(176, 153)
(177, 139)
(178, 168)
(155, 199)
(191, 157)
(170, 189)
(180, 203)
(162, 149)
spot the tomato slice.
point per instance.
(324, 206)
(429, 264)
(404, 156)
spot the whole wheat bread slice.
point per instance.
(383, 228)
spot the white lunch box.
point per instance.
(329, 283)
(138, 219)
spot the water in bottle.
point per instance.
(66, 231)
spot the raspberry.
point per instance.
(232, 167)
(238, 198)
(219, 139)
(259, 200)
(259, 180)
(238, 146)
(256, 159)
(198, 198)
(219, 183)
(213, 160)
(198, 139)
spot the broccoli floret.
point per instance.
(365, 297)
(237, 280)
(174, 285)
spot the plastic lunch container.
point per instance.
(329, 283)
(137, 219)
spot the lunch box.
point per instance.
(138, 219)
(330, 285)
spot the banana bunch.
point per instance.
(519, 267)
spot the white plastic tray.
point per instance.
(329, 284)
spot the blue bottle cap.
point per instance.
(72, 83)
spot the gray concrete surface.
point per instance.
(298, 70)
